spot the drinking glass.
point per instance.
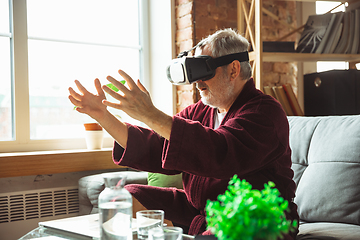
(166, 233)
(148, 219)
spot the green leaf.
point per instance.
(112, 87)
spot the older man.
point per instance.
(234, 129)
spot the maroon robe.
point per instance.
(252, 141)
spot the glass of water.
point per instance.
(148, 219)
(166, 233)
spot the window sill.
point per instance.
(51, 162)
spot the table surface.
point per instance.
(44, 233)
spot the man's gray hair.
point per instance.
(227, 41)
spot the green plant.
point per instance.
(243, 213)
(112, 87)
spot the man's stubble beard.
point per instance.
(217, 97)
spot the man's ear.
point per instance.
(234, 69)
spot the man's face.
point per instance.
(216, 91)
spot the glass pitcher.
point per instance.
(115, 208)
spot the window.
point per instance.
(6, 129)
(55, 43)
(321, 8)
(67, 46)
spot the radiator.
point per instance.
(22, 208)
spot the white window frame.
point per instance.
(157, 47)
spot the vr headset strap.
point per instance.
(214, 63)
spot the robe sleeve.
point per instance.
(143, 151)
(247, 142)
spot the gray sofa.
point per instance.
(326, 163)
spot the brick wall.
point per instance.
(212, 15)
(185, 39)
(196, 19)
(278, 73)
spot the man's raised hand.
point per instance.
(86, 102)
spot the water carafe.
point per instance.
(115, 208)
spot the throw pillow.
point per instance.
(162, 180)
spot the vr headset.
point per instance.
(187, 70)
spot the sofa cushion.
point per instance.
(326, 164)
(161, 180)
(328, 231)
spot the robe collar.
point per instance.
(248, 92)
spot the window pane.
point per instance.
(53, 67)
(5, 91)
(4, 16)
(326, 66)
(105, 21)
(325, 6)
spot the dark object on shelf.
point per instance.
(313, 32)
(278, 46)
(335, 92)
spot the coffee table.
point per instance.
(44, 233)
(46, 230)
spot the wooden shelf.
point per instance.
(304, 57)
(249, 16)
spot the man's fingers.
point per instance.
(117, 84)
(74, 101)
(80, 110)
(130, 82)
(81, 87)
(115, 95)
(111, 104)
(74, 94)
(98, 88)
(141, 87)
